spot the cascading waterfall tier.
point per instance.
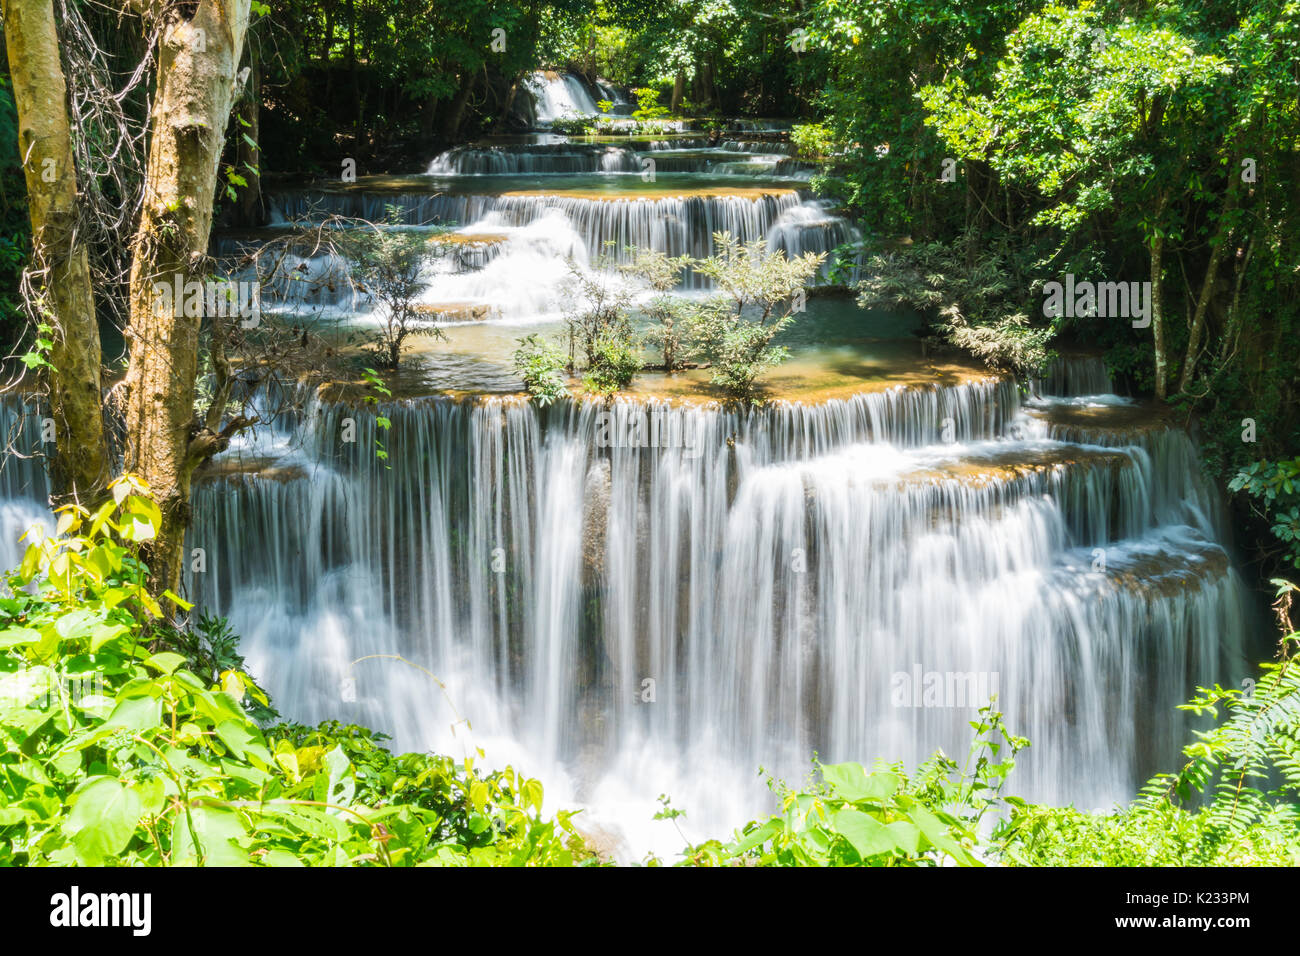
(675, 225)
(635, 597)
(542, 158)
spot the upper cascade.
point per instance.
(560, 96)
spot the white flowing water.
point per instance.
(634, 599)
(543, 231)
(560, 96)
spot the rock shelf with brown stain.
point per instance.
(261, 466)
(578, 186)
(653, 192)
(1089, 422)
(1173, 572)
(1019, 461)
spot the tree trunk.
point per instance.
(509, 104)
(250, 154)
(1217, 252)
(80, 466)
(196, 88)
(1157, 313)
(679, 91)
(456, 111)
(1233, 324)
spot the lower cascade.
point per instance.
(633, 598)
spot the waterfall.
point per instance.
(560, 96)
(757, 146)
(534, 159)
(24, 483)
(635, 597)
(673, 224)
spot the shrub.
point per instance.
(882, 817)
(811, 140)
(669, 316)
(749, 277)
(615, 359)
(970, 296)
(387, 262)
(1274, 490)
(647, 105)
(574, 126)
(540, 364)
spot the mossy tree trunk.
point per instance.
(80, 466)
(198, 60)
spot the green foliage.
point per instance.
(597, 321)
(575, 126)
(375, 391)
(540, 364)
(879, 54)
(669, 316)
(812, 140)
(759, 294)
(387, 262)
(648, 108)
(972, 297)
(115, 749)
(881, 817)
(615, 359)
(211, 649)
(1274, 487)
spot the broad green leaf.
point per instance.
(76, 625)
(101, 634)
(165, 662)
(935, 831)
(217, 829)
(867, 835)
(243, 739)
(17, 636)
(135, 714)
(853, 783)
(103, 817)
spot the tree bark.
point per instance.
(250, 154)
(80, 467)
(509, 104)
(1217, 253)
(451, 122)
(1157, 313)
(196, 89)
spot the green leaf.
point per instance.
(935, 831)
(867, 835)
(135, 714)
(243, 739)
(217, 828)
(17, 636)
(76, 625)
(758, 837)
(853, 783)
(104, 815)
(101, 634)
(165, 662)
